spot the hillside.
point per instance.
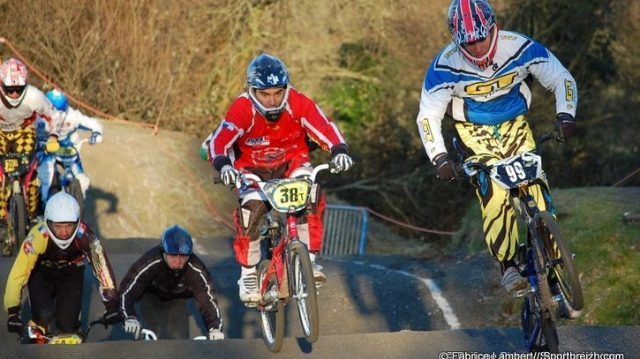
(143, 183)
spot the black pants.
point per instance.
(56, 297)
(169, 319)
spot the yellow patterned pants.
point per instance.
(20, 141)
(489, 144)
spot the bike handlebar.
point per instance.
(244, 180)
(460, 167)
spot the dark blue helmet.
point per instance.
(58, 99)
(176, 240)
(264, 72)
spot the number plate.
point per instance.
(11, 165)
(517, 170)
(66, 339)
(287, 194)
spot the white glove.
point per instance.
(132, 326)
(341, 162)
(229, 175)
(215, 334)
(96, 137)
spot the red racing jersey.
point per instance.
(250, 140)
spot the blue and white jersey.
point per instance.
(491, 96)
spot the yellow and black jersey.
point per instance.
(37, 249)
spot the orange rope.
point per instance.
(626, 178)
(406, 225)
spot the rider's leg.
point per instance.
(69, 283)
(78, 173)
(42, 289)
(5, 191)
(488, 144)
(45, 175)
(310, 226)
(247, 245)
(25, 142)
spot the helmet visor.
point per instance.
(13, 90)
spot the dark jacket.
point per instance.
(151, 274)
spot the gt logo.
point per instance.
(488, 87)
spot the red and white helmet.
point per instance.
(470, 21)
(13, 78)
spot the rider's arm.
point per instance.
(31, 248)
(556, 78)
(100, 264)
(43, 107)
(318, 126)
(204, 293)
(239, 117)
(137, 279)
(78, 119)
(437, 92)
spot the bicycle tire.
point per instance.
(303, 287)
(543, 294)
(75, 189)
(550, 334)
(563, 268)
(17, 220)
(271, 318)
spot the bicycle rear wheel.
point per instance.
(303, 287)
(272, 313)
(562, 268)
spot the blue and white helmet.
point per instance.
(264, 72)
(58, 99)
(176, 240)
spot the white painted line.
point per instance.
(434, 290)
(199, 249)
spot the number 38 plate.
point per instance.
(517, 170)
(285, 195)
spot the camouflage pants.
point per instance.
(489, 144)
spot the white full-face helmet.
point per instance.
(13, 78)
(62, 208)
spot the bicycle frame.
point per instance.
(281, 241)
(288, 273)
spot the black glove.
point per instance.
(111, 316)
(14, 322)
(444, 168)
(566, 126)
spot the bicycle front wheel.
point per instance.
(562, 269)
(304, 291)
(550, 334)
(18, 219)
(271, 313)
